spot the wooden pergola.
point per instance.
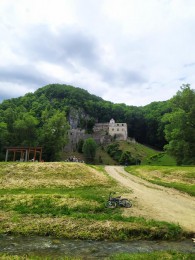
(25, 153)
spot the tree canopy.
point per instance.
(180, 126)
(39, 118)
(89, 149)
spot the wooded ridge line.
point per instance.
(43, 118)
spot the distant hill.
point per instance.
(82, 110)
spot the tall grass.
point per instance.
(68, 200)
(169, 255)
(158, 255)
(180, 178)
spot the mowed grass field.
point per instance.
(160, 255)
(68, 200)
(181, 178)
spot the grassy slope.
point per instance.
(68, 200)
(102, 157)
(181, 178)
(146, 154)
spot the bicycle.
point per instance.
(113, 202)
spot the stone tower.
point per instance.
(119, 130)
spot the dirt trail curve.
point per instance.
(154, 201)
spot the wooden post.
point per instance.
(6, 156)
(26, 155)
(40, 155)
(35, 151)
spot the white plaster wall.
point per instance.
(118, 129)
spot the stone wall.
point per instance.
(103, 133)
(99, 127)
(74, 135)
(118, 130)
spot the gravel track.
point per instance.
(155, 202)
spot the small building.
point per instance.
(118, 130)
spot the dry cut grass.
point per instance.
(68, 200)
(169, 174)
(181, 178)
(34, 175)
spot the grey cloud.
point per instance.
(63, 47)
(130, 76)
(41, 43)
(13, 90)
(21, 74)
(182, 78)
(81, 47)
(189, 64)
(123, 76)
(5, 95)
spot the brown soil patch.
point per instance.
(156, 202)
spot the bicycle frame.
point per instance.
(118, 201)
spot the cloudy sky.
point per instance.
(125, 51)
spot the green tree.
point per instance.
(180, 126)
(10, 116)
(25, 130)
(114, 151)
(154, 130)
(3, 139)
(80, 145)
(89, 149)
(127, 159)
(53, 136)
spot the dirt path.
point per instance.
(154, 201)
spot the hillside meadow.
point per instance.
(147, 155)
(68, 200)
(181, 178)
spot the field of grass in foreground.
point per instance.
(179, 177)
(160, 255)
(154, 256)
(68, 200)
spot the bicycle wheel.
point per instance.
(127, 204)
(110, 204)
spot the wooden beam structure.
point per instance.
(25, 153)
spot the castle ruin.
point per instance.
(116, 130)
(103, 133)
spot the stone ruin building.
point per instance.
(118, 129)
(103, 133)
(113, 129)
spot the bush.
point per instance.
(127, 159)
(89, 149)
(114, 151)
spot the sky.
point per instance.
(125, 51)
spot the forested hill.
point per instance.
(30, 120)
(144, 123)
